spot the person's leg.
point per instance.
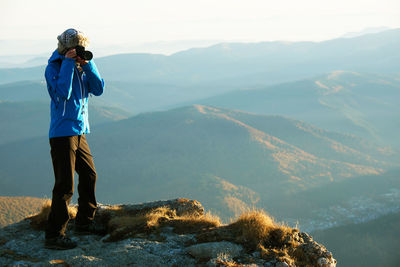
(63, 152)
(87, 183)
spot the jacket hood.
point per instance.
(56, 56)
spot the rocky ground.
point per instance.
(164, 233)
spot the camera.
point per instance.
(82, 53)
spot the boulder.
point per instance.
(214, 249)
(181, 206)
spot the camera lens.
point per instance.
(88, 55)
(80, 52)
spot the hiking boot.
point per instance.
(91, 228)
(60, 243)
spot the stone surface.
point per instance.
(325, 262)
(26, 248)
(315, 252)
(227, 261)
(22, 245)
(281, 264)
(181, 206)
(214, 249)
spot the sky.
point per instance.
(141, 22)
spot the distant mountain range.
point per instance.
(361, 104)
(25, 111)
(27, 119)
(228, 65)
(365, 31)
(349, 102)
(195, 150)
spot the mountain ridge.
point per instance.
(201, 149)
(342, 101)
(368, 53)
(271, 143)
(26, 119)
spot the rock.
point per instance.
(22, 245)
(281, 264)
(324, 262)
(214, 249)
(26, 248)
(181, 206)
(316, 253)
(306, 237)
(227, 261)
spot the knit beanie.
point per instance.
(70, 39)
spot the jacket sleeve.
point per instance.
(93, 78)
(59, 83)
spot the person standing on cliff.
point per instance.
(70, 79)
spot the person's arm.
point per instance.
(93, 78)
(60, 83)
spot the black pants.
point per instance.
(70, 154)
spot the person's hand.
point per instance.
(71, 53)
(81, 61)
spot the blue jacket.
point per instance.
(69, 90)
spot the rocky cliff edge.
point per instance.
(165, 233)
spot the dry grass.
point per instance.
(256, 228)
(125, 226)
(225, 260)
(282, 255)
(121, 224)
(150, 219)
(257, 231)
(192, 224)
(38, 221)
